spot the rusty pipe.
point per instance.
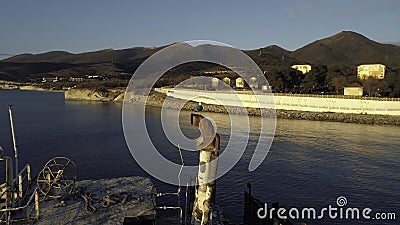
(209, 152)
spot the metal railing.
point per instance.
(18, 193)
(249, 92)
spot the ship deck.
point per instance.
(106, 201)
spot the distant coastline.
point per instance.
(9, 85)
(156, 99)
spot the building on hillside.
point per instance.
(227, 80)
(253, 82)
(371, 70)
(211, 72)
(266, 87)
(50, 79)
(76, 79)
(239, 83)
(302, 68)
(354, 89)
(214, 83)
(94, 77)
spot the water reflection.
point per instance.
(310, 164)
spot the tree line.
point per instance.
(330, 80)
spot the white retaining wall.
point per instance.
(289, 102)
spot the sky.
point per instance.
(79, 26)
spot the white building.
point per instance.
(214, 83)
(354, 89)
(227, 80)
(253, 82)
(371, 70)
(239, 83)
(304, 68)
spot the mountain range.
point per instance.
(393, 43)
(345, 48)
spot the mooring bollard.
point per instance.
(209, 152)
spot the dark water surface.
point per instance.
(310, 163)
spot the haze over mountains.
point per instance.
(345, 48)
(393, 43)
(102, 56)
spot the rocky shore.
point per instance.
(340, 117)
(94, 95)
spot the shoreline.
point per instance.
(156, 99)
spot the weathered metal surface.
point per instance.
(209, 152)
(13, 138)
(57, 177)
(17, 199)
(106, 201)
(15, 195)
(252, 205)
(6, 189)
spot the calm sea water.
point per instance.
(310, 163)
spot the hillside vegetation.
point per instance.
(334, 60)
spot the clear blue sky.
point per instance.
(77, 26)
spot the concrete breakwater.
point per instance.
(157, 99)
(291, 102)
(315, 116)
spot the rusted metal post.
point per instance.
(14, 141)
(9, 184)
(20, 189)
(28, 170)
(37, 204)
(209, 151)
